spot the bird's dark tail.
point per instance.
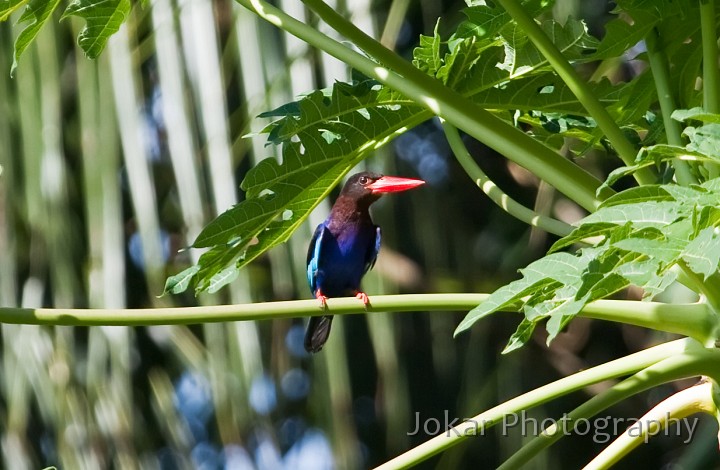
(317, 333)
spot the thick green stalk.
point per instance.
(661, 74)
(474, 426)
(238, 312)
(694, 320)
(696, 399)
(572, 180)
(581, 89)
(496, 194)
(693, 361)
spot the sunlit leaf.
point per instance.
(180, 282)
(638, 18)
(641, 214)
(570, 38)
(702, 254)
(698, 114)
(647, 192)
(7, 7)
(103, 17)
(521, 336)
(223, 278)
(36, 14)
(705, 140)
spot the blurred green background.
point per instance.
(112, 166)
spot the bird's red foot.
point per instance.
(363, 296)
(322, 298)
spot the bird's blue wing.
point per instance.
(313, 256)
(373, 251)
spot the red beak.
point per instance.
(393, 184)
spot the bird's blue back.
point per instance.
(339, 256)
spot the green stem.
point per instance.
(696, 399)
(496, 194)
(581, 89)
(693, 361)
(711, 77)
(400, 75)
(238, 312)
(661, 74)
(471, 427)
(694, 320)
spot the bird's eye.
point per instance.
(364, 180)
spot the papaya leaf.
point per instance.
(103, 17)
(637, 236)
(180, 282)
(221, 279)
(521, 54)
(546, 93)
(702, 254)
(521, 336)
(649, 192)
(584, 232)
(36, 14)
(705, 140)
(656, 155)
(485, 20)
(638, 18)
(426, 56)
(640, 214)
(555, 269)
(7, 7)
(698, 114)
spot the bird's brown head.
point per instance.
(369, 187)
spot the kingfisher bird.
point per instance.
(345, 246)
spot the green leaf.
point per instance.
(180, 282)
(36, 15)
(702, 254)
(698, 114)
(546, 93)
(426, 56)
(562, 315)
(633, 100)
(655, 155)
(521, 54)
(7, 7)
(554, 269)
(485, 20)
(223, 278)
(638, 236)
(649, 274)
(705, 140)
(640, 214)
(521, 336)
(621, 34)
(103, 17)
(583, 233)
(659, 249)
(693, 195)
(462, 57)
(638, 18)
(638, 194)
